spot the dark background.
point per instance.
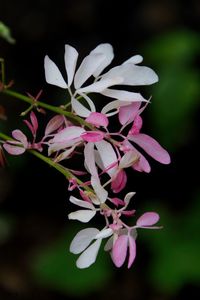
(34, 230)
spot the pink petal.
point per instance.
(97, 119)
(67, 134)
(20, 136)
(151, 146)
(13, 150)
(137, 125)
(148, 219)
(119, 250)
(127, 113)
(54, 124)
(132, 251)
(117, 201)
(30, 126)
(34, 121)
(92, 136)
(119, 182)
(128, 213)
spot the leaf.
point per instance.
(5, 33)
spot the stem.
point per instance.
(55, 109)
(2, 71)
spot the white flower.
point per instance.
(81, 242)
(93, 64)
(82, 215)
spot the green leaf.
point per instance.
(5, 33)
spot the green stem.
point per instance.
(55, 109)
(2, 71)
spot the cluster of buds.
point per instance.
(106, 153)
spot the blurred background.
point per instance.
(34, 231)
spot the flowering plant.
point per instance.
(79, 128)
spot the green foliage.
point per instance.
(175, 250)
(54, 267)
(176, 96)
(5, 33)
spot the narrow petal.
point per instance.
(151, 146)
(97, 119)
(101, 85)
(68, 133)
(81, 203)
(93, 136)
(71, 56)
(123, 95)
(119, 250)
(13, 150)
(79, 108)
(136, 59)
(52, 73)
(82, 215)
(54, 124)
(137, 125)
(87, 68)
(101, 193)
(90, 159)
(128, 197)
(119, 182)
(34, 121)
(64, 155)
(108, 156)
(132, 251)
(128, 113)
(82, 240)
(20, 136)
(107, 50)
(148, 219)
(104, 233)
(88, 257)
(128, 159)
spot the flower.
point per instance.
(93, 65)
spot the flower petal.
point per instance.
(128, 113)
(93, 136)
(87, 68)
(101, 85)
(151, 146)
(20, 136)
(128, 159)
(104, 233)
(71, 56)
(123, 95)
(97, 119)
(82, 240)
(133, 75)
(132, 251)
(82, 215)
(79, 108)
(136, 59)
(101, 193)
(13, 150)
(67, 134)
(52, 73)
(107, 50)
(148, 219)
(119, 182)
(128, 197)
(119, 250)
(88, 257)
(54, 124)
(108, 156)
(81, 203)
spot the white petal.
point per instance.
(82, 215)
(63, 145)
(128, 197)
(71, 56)
(133, 75)
(128, 159)
(104, 233)
(87, 68)
(112, 108)
(123, 95)
(108, 156)
(82, 240)
(90, 159)
(107, 50)
(100, 85)
(52, 73)
(81, 203)
(63, 155)
(88, 257)
(101, 193)
(67, 134)
(136, 59)
(79, 108)
(109, 244)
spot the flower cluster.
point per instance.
(107, 153)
